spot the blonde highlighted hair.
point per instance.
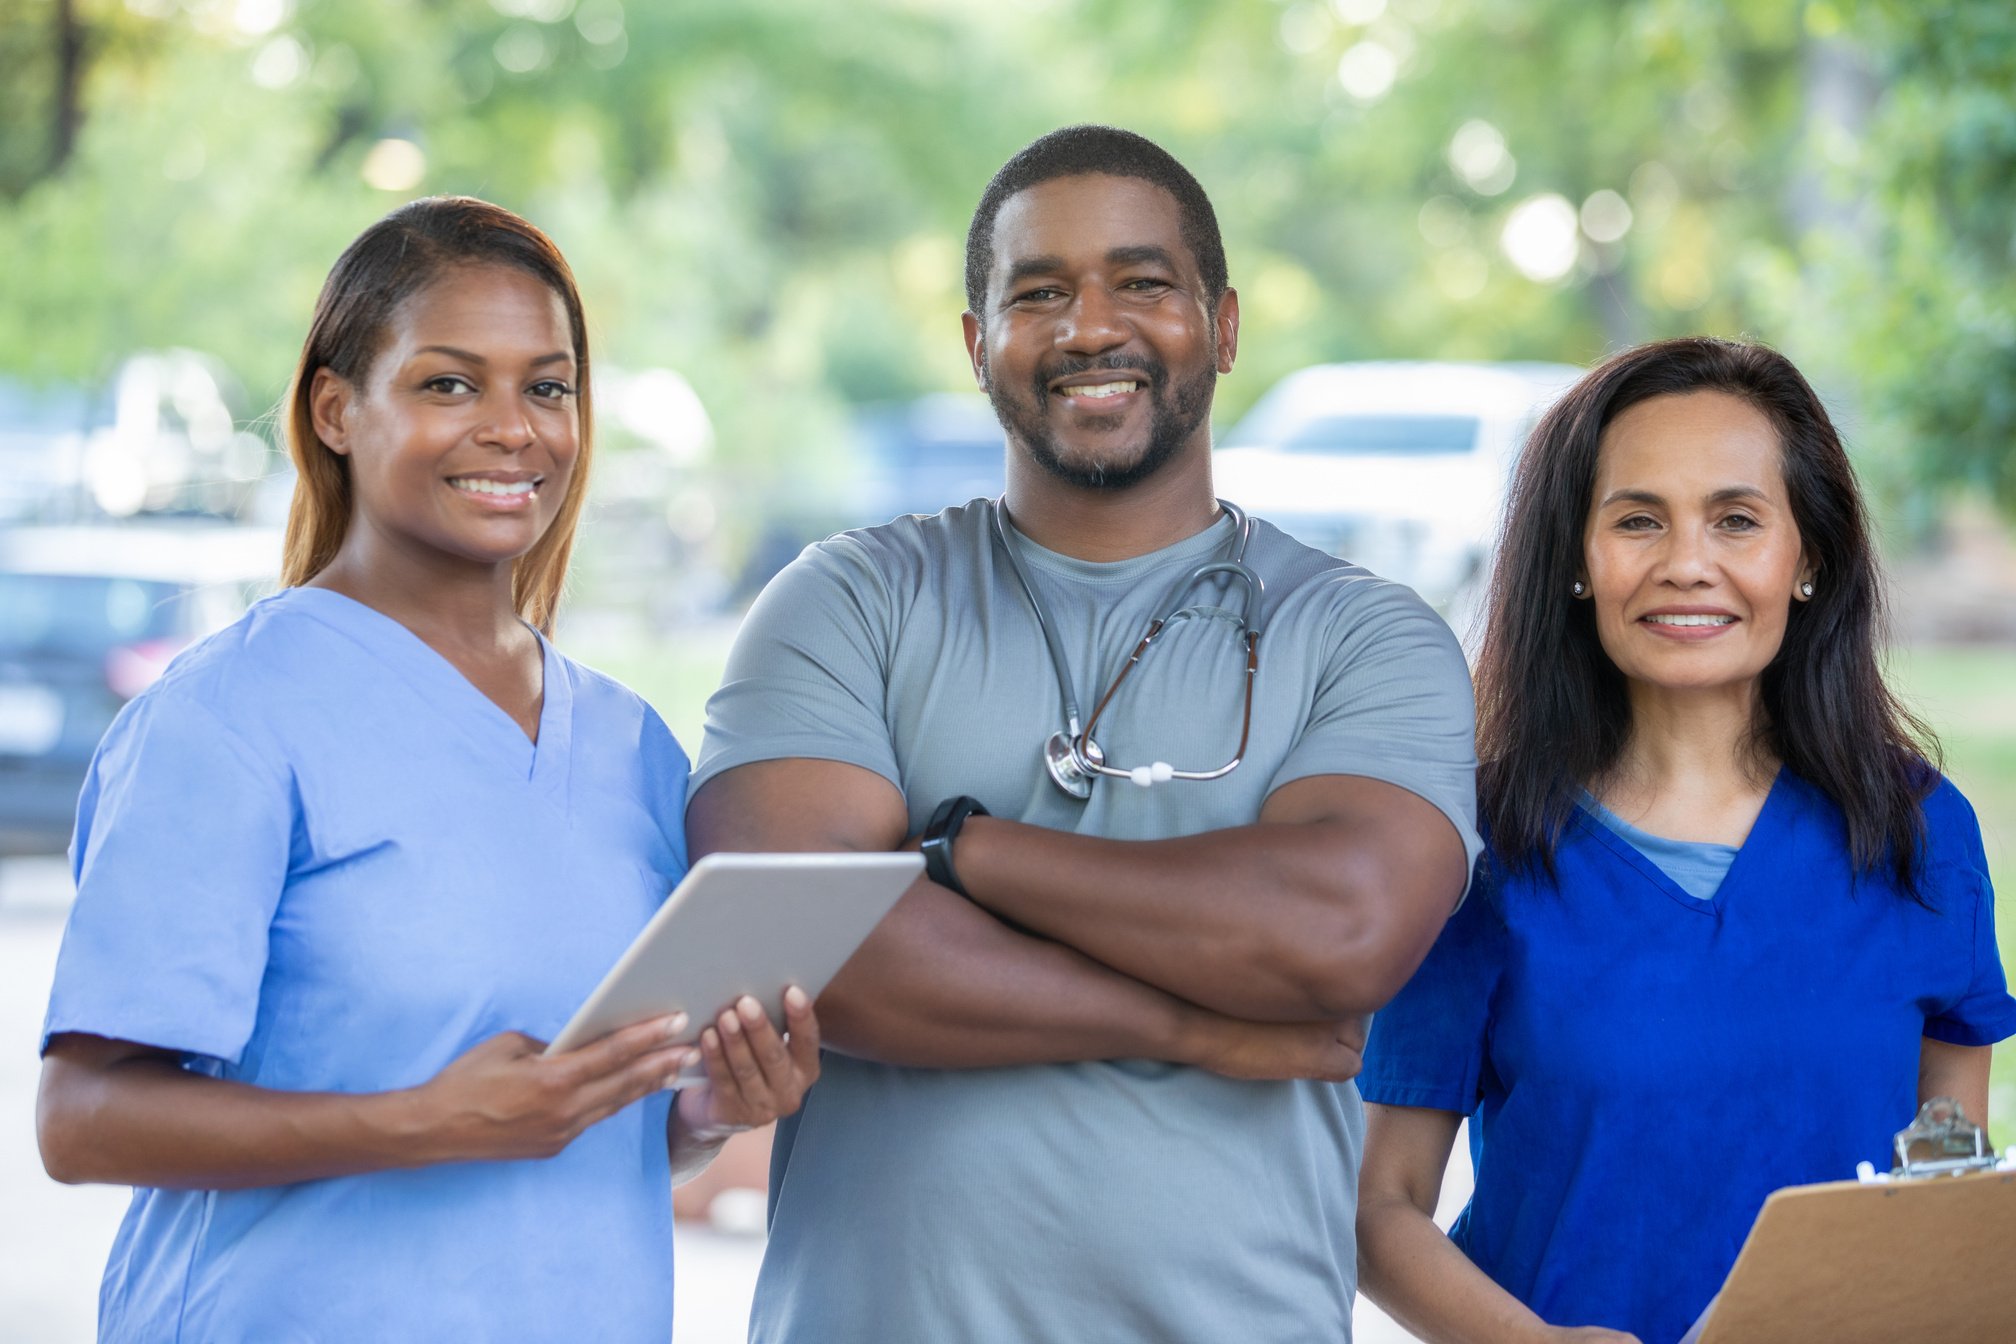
(388, 263)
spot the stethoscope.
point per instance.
(1073, 759)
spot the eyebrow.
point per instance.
(1727, 494)
(471, 357)
(1120, 256)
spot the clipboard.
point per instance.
(1919, 1253)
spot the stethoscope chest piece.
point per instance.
(1062, 763)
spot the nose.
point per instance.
(1093, 324)
(507, 422)
(1688, 561)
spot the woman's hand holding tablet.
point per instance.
(753, 1074)
(505, 1098)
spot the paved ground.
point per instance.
(53, 1238)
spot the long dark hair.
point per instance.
(1552, 712)
(395, 258)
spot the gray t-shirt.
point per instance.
(1123, 1200)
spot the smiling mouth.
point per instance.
(1688, 620)
(1097, 391)
(500, 490)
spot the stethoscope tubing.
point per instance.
(1083, 766)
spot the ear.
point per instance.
(1808, 569)
(1225, 326)
(976, 348)
(330, 397)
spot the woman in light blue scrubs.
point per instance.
(343, 868)
(1731, 927)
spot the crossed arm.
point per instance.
(1253, 951)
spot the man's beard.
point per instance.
(1176, 415)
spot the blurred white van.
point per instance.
(1400, 466)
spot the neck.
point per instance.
(1106, 525)
(448, 603)
(1688, 740)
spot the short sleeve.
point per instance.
(809, 671)
(1427, 1047)
(1983, 1013)
(183, 841)
(1394, 704)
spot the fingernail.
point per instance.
(675, 1024)
(711, 1039)
(731, 1024)
(794, 997)
(752, 1011)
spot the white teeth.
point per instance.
(1101, 390)
(477, 485)
(1691, 620)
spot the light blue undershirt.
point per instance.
(1697, 867)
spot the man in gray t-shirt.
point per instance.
(1092, 1083)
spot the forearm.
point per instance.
(1423, 1280)
(942, 984)
(148, 1122)
(1269, 922)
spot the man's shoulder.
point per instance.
(1336, 587)
(912, 552)
(913, 536)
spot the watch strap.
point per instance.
(940, 832)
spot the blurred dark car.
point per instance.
(89, 617)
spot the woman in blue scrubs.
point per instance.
(1731, 926)
(342, 869)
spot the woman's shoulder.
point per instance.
(1952, 830)
(256, 659)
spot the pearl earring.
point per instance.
(1580, 588)
(1806, 590)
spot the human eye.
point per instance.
(1039, 294)
(552, 389)
(448, 384)
(1637, 522)
(1146, 284)
(1741, 522)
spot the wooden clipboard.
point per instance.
(1850, 1262)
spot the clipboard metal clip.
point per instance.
(1942, 1141)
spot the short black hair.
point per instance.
(1075, 151)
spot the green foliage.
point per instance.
(771, 195)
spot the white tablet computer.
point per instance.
(744, 924)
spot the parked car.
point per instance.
(1400, 466)
(89, 617)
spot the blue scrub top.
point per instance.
(315, 857)
(1641, 1068)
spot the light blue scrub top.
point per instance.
(1697, 867)
(314, 857)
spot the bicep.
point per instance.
(796, 804)
(1411, 856)
(1406, 1153)
(1956, 1071)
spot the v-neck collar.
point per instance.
(542, 763)
(1756, 842)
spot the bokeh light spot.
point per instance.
(394, 164)
(1539, 237)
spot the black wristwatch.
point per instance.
(939, 833)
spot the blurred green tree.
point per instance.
(771, 195)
